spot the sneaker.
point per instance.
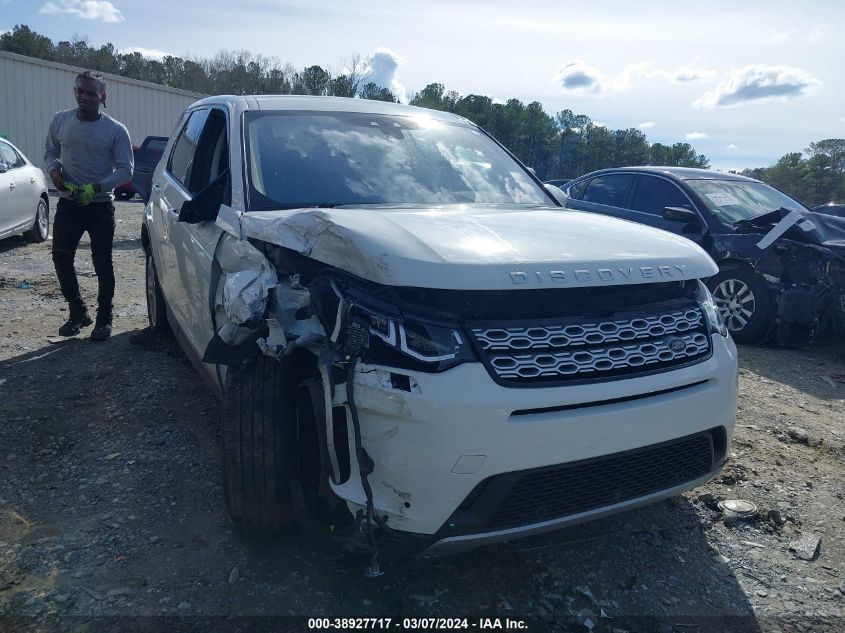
(102, 328)
(78, 319)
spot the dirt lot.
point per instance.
(111, 514)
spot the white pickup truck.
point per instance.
(414, 342)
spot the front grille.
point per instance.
(542, 494)
(649, 340)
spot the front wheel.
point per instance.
(258, 435)
(745, 302)
(41, 225)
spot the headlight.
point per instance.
(415, 344)
(711, 312)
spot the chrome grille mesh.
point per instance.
(640, 343)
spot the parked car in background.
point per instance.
(779, 264)
(831, 209)
(558, 182)
(146, 158)
(24, 205)
(413, 341)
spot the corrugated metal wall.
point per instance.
(31, 90)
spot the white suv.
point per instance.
(413, 339)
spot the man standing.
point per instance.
(87, 154)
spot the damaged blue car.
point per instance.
(781, 266)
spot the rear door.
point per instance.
(606, 193)
(199, 156)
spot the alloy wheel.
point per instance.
(736, 302)
(42, 219)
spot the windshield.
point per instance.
(299, 159)
(734, 200)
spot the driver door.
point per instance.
(200, 155)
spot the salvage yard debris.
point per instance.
(807, 546)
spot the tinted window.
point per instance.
(611, 190)
(11, 159)
(298, 159)
(735, 200)
(211, 158)
(653, 195)
(182, 158)
(576, 191)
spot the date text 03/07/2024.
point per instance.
(416, 624)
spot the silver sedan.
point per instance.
(24, 205)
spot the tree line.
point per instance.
(563, 145)
(816, 179)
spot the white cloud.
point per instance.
(732, 146)
(694, 136)
(757, 83)
(686, 74)
(149, 53)
(598, 124)
(646, 125)
(383, 70)
(579, 78)
(100, 10)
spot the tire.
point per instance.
(41, 225)
(258, 435)
(745, 302)
(156, 307)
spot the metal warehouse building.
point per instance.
(31, 90)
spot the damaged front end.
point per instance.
(273, 301)
(804, 265)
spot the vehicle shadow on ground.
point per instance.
(122, 439)
(641, 570)
(14, 242)
(817, 370)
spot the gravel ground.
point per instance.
(111, 514)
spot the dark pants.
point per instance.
(70, 222)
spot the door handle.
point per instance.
(157, 187)
(11, 185)
(32, 180)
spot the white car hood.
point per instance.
(476, 247)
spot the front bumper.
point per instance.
(434, 443)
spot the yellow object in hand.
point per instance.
(81, 194)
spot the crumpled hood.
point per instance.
(482, 247)
(798, 225)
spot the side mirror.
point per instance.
(557, 193)
(3, 168)
(680, 214)
(205, 204)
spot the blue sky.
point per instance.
(743, 84)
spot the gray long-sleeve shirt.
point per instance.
(97, 152)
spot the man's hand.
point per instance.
(82, 194)
(58, 181)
